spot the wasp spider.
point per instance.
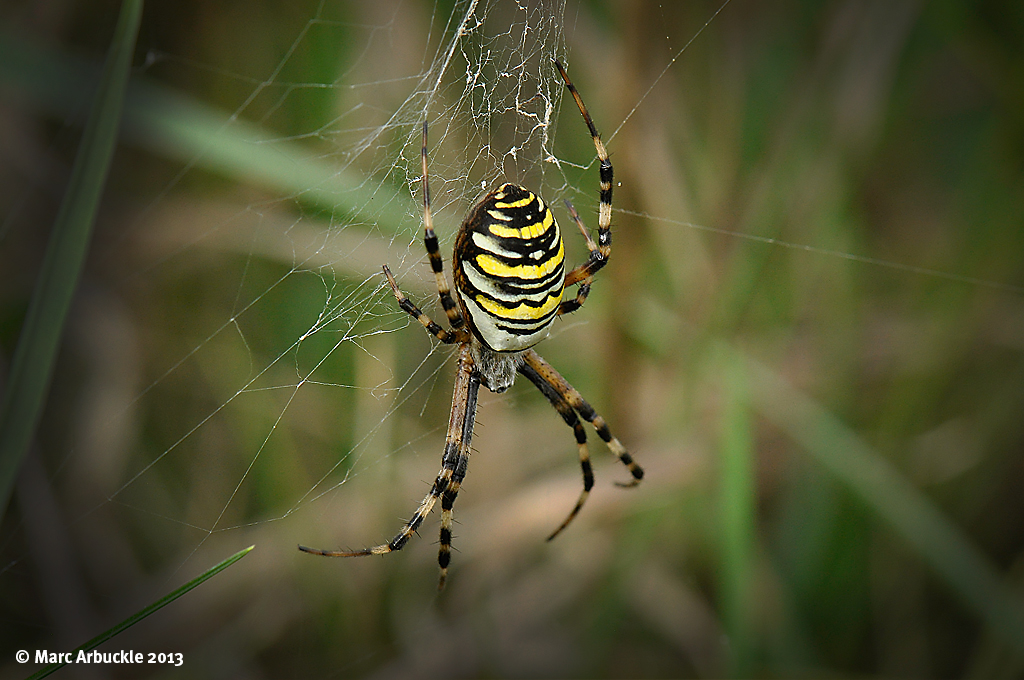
(509, 285)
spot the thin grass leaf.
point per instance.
(176, 126)
(138, 616)
(965, 569)
(737, 513)
(32, 365)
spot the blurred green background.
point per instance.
(810, 334)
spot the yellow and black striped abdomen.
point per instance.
(509, 268)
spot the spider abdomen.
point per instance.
(509, 269)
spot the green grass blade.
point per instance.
(176, 126)
(965, 569)
(737, 514)
(138, 616)
(34, 355)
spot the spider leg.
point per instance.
(549, 375)
(433, 252)
(449, 479)
(464, 403)
(596, 261)
(569, 416)
(599, 255)
(459, 333)
(399, 541)
(447, 337)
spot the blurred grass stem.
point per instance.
(737, 509)
(943, 546)
(177, 126)
(34, 356)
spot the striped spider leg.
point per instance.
(460, 426)
(449, 479)
(568, 402)
(583, 275)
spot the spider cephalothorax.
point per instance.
(510, 279)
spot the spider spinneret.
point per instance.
(509, 271)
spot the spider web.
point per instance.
(311, 377)
(486, 91)
(483, 80)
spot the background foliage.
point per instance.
(818, 265)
